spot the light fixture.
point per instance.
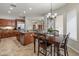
(42, 17)
(51, 18)
(30, 8)
(24, 12)
(11, 8)
(9, 12)
(51, 15)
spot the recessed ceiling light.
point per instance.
(9, 12)
(30, 8)
(11, 8)
(24, 12)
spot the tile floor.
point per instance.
(11, 47)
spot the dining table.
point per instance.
(54, 40)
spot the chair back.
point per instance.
(66, 39)
(41, 37)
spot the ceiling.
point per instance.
(38, 9)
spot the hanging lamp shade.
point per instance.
(51, 15)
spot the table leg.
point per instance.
(58, 51)
(34, 45)
(51, 50)
(54, 49)
(38, 48)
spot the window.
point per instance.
(72, 24)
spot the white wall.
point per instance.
(28, 24)
(59, 23)
(7, 17)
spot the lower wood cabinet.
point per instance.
(12, 33)
(28, 38)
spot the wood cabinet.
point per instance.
(28, 38)
(7, 22)
(10, 33)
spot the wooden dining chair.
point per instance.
(44, 47)
(63, 45)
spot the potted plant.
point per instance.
(50, 30)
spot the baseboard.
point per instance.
(73, 49)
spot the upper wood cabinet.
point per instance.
(7, 22)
